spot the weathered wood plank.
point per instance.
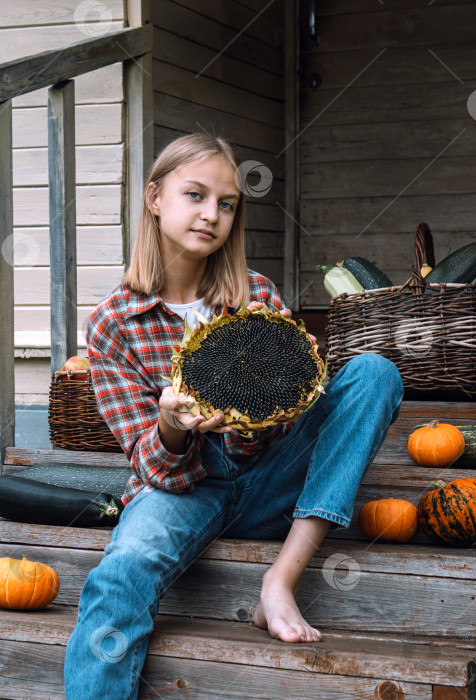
(215, 681)
(16, 43)
(374, 178)
(98, 86)
(7, 378)
(95, 204)
(30, 456)
(350, 599)
(272, 269)
(62, 208)
(372, 557)
(382, 481)
(338, 653)
(338, 7)
(175, 112)
(94, 165)
(195, 26)
(48, 67)
(399, 65)
(201, 679)
(383, 215)
(238, 16)
(95, 124)
(190, 55)
(44, 678)
(407, 141)
(94, 283)
(33, 326)
(23, 13)
(210, 93)
(386, 103)
(96, 245)
(417, 27)
(264, 244)
(324, 249)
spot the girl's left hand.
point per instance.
(285, 312)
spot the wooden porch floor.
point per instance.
(402, 627)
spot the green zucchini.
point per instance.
(458, 267)
(338, 280)
(468, 458)
(368, 274)
(28, 501)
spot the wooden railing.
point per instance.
(56, 70)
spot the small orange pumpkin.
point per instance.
(436, 444)
(26, 585)
(391, 519)
(447, 514)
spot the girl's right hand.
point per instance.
(169, 403)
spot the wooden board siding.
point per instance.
(239, 95)
(27, 28)
(387, 140)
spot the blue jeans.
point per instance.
(315, 470)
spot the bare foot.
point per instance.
(278, 613)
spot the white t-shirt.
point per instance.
(188, 310)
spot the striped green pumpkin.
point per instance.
(448, 513)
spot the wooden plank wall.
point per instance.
(386, 140)
(27, 28)
(219, 67)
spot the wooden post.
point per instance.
(7, 375)
(139, 147)
(62, 192)
(291, 160)
(139, 140)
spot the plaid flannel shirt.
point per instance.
(129, 345)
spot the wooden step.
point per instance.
(381, 481)
(397, 620)
(217, 659)
(348, 585)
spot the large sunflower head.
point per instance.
(255, 366)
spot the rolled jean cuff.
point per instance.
(337, 521)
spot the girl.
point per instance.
(194, 480)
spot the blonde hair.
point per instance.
(225, 280)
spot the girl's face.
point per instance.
(196, 206)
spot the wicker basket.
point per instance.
(428, 331)
(74, 420)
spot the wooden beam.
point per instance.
(139, 141)
(7, 376)
(139, 146)
(62, 194)
(291, 126)
(50, 67)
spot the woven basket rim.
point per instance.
(66, 372)
(403, 287)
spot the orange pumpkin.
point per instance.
(26, 585)
(391, 519)
(436, 444)
(447, 514)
